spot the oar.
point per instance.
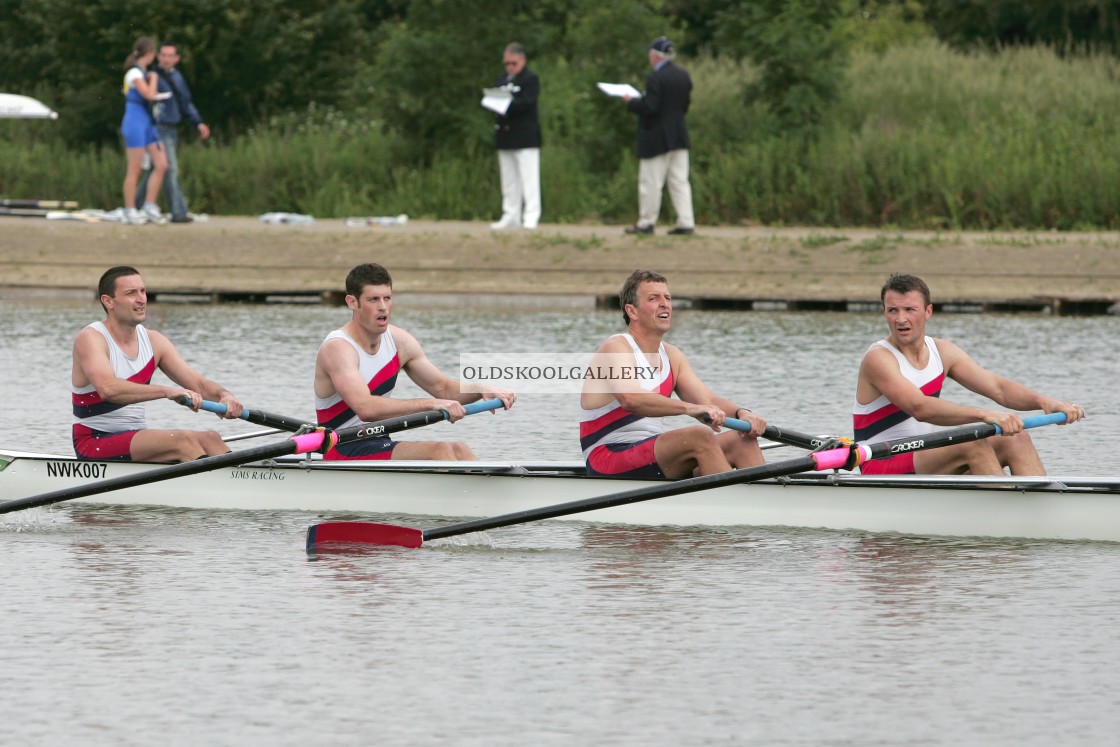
(300, 444)
(259, 417)
(782, 435)
(848, 457)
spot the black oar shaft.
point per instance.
(690, 485)
(269, 419)
(781, 435)
(793, 438)
(823, 460)
(950, 436)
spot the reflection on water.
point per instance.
(179, 627)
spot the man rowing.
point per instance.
(356, 370)
(621, 428)
(113, 364)
(898, 395)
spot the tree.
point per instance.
(1065, 24)
(800, 49)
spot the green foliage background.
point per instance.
(908, 113)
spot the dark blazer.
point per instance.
(518, 128)
(661, 126)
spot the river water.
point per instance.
(127, 626)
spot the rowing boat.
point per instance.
(1067, 508)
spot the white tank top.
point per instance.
(379, 371)
(92, 411)
(610, 424)
(882, 421)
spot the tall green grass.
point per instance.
(923, 137)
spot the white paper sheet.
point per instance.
(620, 90)
(497, 99)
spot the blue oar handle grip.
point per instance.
(1034, 421)
(215, 407)
(737, 425)
(476, 407)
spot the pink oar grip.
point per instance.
(838, 458)
(308, 441)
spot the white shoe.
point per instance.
(504, 224)
(134, 217)
(152, 213)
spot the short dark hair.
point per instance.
(107, 285)
(902, 283)
(515, 49)
(367, 274)
(629, 292)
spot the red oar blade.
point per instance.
(332, 535)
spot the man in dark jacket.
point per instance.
(663, 141)
(517, 134)
(168, 114)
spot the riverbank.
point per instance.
(242, 255)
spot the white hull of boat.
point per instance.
(1040, 508)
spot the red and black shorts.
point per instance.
(899, 464)
(625, 460)
(102, 445)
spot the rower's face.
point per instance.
(129, 302)
(655, 305)
(906, 314)
(374, 307)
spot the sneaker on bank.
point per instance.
(182, 219)
(505, 224)
(152, 213)
(134, 217)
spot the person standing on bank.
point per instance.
(517, 135)
(168, 114)
(140, 134)
(663, 141)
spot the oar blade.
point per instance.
(336, 535)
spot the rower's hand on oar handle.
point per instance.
(229, 408)
(507, 396)
(454, 409)
(233, 407)
(1072, 411)
(709, 415)
(1008, 422)
(758, 423)
(186, 398)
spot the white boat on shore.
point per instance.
(1062, 508)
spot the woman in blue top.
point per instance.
(140, 133)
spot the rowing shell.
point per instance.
(1081, 508)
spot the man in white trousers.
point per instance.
(517, 134)
(663, 141)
